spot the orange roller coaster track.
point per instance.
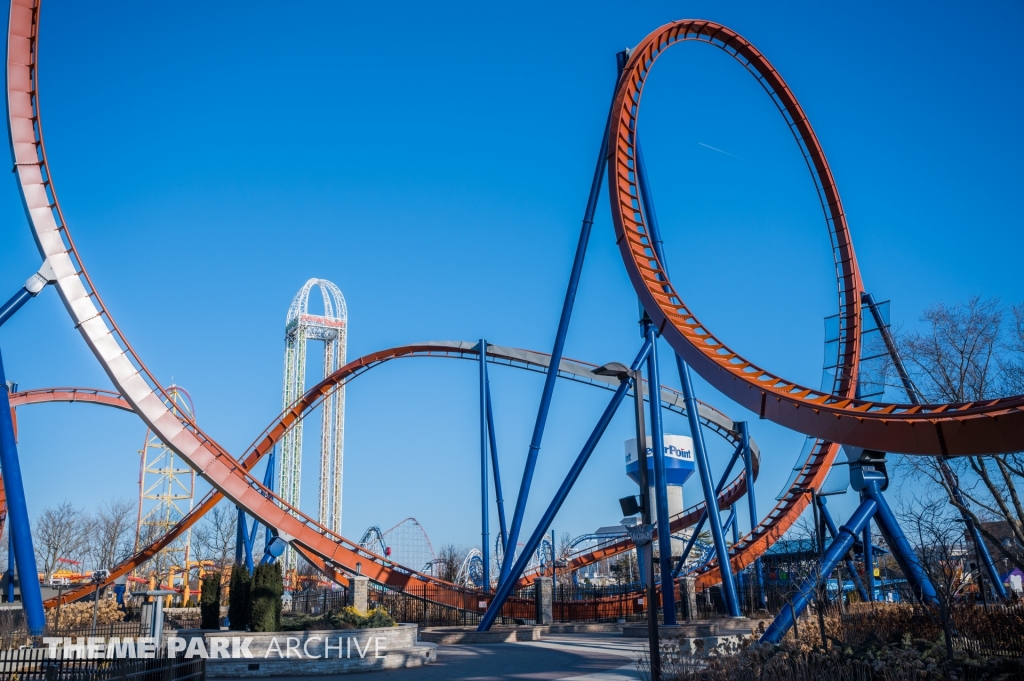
(569, 369)
(988, 427)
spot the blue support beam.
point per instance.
(704, 470)
(847, 536)
(704, 516)
(834, 532)
(14, 304)
(700, 452)
(668, 601)
(904, 554)
(240, 535)
(17, 516)
(499, 499)
(867, 475)
(556, 352)
(485, 535)
(506, 585)
(748, 468)
(19, 526)
(869, 561)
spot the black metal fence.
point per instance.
(32, 664)
(587, 604)
(317, 602)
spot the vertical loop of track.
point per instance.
(652, 283)
(989, 427)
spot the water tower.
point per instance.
(679, 465)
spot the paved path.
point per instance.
(581, 657)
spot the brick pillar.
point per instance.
(359, 592)
(544, 598)
(688, 587)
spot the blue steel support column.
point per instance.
(559, 346)
(869, 561)
(268, 482)
(668, 600)
(499, 499)
(748, 466)
(250, 537)
(704, 469)
(14, 304)
(17, 516)
(485, 535)
(505, 586)
(700, 453)
(704, 516)
(847, 535)
(904, 554)
(240, 536)
(19, 528)
(734, 518)
(831, 525)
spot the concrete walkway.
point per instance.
(581, 657)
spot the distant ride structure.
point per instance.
(331, 328)
(166, 488)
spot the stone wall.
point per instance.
(299, 653)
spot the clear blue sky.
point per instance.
(433, 161)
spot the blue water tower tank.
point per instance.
(679, 463)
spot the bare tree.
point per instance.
(939, 542)
(449, 560)
(111, 533)
(214, 538)
(965, 354)
(60, 532)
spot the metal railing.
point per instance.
(318, 602)
(32, 664)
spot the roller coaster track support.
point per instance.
(485, 535)
(869, 560)
(732, 601)
(703, 518)
(247, 533)
(647, 564)
(506, 586)
(748, 466)
(556, 352)
(668, 601)
(980, 549)
(499, 498)
(830, 525)
(868, 476)
(19, 527)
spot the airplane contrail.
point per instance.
(708, 146)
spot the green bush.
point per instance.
(239, 606)
(267, 588)
(350, 618)
(209, 601)
(347, 618)
(379, 617)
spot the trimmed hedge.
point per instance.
(209, 601)
(239, 596)
(267, 589)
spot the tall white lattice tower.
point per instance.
(166, 490)
(332, 329)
